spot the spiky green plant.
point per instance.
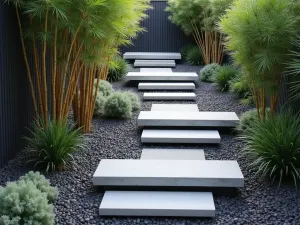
(223, 77)
(51, 146)
(117, 69)
(274, 147)
(184, 51)
(194, 56)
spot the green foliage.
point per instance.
(104, 87)
(117, 69)
(208, 72)
(99, 104)
(248, 118)
(240, 87)
(259, 35)
(184, 51)
(42, 184)
(224, 75)
(135, 100)
(23, 203)
(51, 145)
(274, 147)
(194, 56)
(118, 105)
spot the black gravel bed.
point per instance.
(258, 202)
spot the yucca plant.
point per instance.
(259, 35)
(223, 77)
(274, 147)
(51, 146)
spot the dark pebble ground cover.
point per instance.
(257, 203)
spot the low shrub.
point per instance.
(104, 86)
(117, 70)
(135, 100)
(23, 203)
(184, 51)
(99, 104)
(248, 118)
(194, 56)
(223, 77)
(51, 145)
(118, 105)
(42, 184)
(274, 147)
(208, 72)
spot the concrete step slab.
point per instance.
(152, 55)
(172, 154)
(192, 119)
(181, 136)
(166, 86)
(175, 107)
(154, 63)
(161, 76)
(157, 203)
(133, 173)
(169, 96)
(169, 70)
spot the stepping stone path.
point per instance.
(164, 182)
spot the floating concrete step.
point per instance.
(172, 154)
(169, 96)
(168, 70)
(193, 119)
(181, 136)
(152, 55)
(157, 203)
(116, 173)
(161, 76)
(166, 86)
(154, 63)
(175, 107)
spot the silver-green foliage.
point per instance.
(117, 69)
(99, 104)
(51, 145)
(224, 75)
(118, 105)
(42, 184)
(194, 56)
(22, 203)
(274, 147)
(104, 86)
(208, 72)
(135, 100)
(248, 118)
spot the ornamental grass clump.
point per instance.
(209, 72)
(23, 203)
(274, 147)
(184, 51)
(117, 69)
(223, 77)
(194, 56)
(118, 105)
(51, 146)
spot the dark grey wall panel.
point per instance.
(15, 102)
(161, 35)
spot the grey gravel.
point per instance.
(257, 203)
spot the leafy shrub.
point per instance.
(51, 145)
(224, 75)
(274, 147)
(104, 86)
(208, 72)
(117, 70)
(194, 56)
(248, 118)
(118, 105)
(99, 104)
(135, 100)
(23, 203)
(239, 86)
(184, 51)
(42, 184)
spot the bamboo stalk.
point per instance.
(45, 72)
(27, 66)
(54, 74)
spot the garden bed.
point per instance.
(257, 203)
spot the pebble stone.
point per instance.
(258, 202)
